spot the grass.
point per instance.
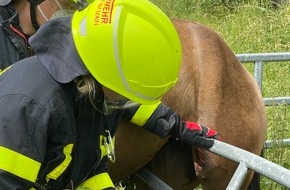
(251, 26)
(247, 28)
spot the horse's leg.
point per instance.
(174, 165)
(255, 182)
(135, 147)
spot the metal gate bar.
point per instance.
(269, 169)
(265, 57)
(152, 180)
(246, 160)
(276, 101)
(277, 143)
(238, 177)
(258, 59)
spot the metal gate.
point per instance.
(259, 59)
(245, 159)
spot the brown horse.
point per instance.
(215, 90)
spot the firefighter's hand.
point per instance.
(194, 134)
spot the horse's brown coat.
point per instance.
(214, 89)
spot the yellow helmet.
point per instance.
(129, 46)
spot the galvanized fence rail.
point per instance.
(258, 59)
(251, 161)
(245, 159)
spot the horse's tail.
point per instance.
(255, 183)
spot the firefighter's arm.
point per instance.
(24, 133)
(163, 121)
(140, 115)
(19, 164)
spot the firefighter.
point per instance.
(61, 107)
(19, 19)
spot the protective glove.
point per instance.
(194, 134)
(164, 121)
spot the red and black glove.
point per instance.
(164, 122)
(194, 134)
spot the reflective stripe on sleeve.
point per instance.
(143, 114)
(18, 164)
(54, 174)
(97, 182)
